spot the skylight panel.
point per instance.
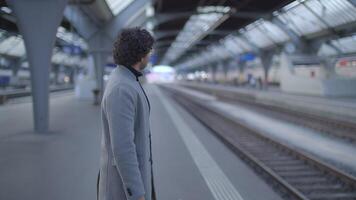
(302, 21)
(304, 17)
(346, 44)
(273, 31)
(116, 6)
(197, 27)
(13, 46)
(71, 38)
(231, 45)
(258, 38)
(263, 34)
(333, 12)
(326, 50)
(311, 16)
(18, 49)
(243, 44)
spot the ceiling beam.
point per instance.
(81, 2)
(161, 18)
(130, 16)
(163, 34)
(169, 43)
(82, 22)
(353, 2)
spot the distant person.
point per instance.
(126, 155)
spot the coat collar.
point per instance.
(130, 72)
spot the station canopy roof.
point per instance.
(188, 26)
(193, 33)
(233, 33)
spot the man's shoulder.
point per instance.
(119, 92)
(120, 87)
(118, 79)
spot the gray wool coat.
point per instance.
(126, 158)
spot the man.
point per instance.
(126, 155)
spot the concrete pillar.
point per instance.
(226, 70)
(101, 46)
(99, 60)
(241, 65)
(15, 66)
(266, 60)
(55, 69)
(72, 73)
(297, 45)
(38, 22)
(69, 71)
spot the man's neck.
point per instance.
(137, 67)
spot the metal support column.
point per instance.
(39, 42)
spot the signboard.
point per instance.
(72, 49)
(247, 57)
(346, 67)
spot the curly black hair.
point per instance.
(131, 46)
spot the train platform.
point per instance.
(331, 150)
(60, 164)
(343, 108)
(189, 161)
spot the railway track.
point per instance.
(330, 127)
(293, 174)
